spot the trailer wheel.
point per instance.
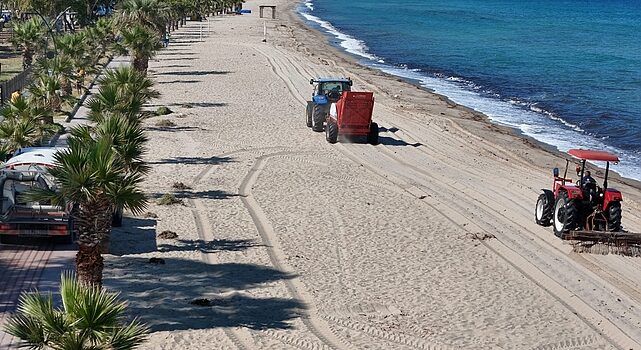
(544, 210)
(318, 117)
(565, 215)
(308, 113)
(331, 132)
(372, 136)
(614, 217)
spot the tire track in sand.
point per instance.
(276, 255)
(241, 337)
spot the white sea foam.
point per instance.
(347, 42)
(309, 5)
(533, 122)
(530, 119)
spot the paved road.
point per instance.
(36, 263)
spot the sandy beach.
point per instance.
(426, 241)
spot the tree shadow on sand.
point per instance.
(174, 53)
(174, 128)
(178, 81)
(135, 236)
(222, 245)
(195, 160)
(194, 72)
(211, 194)
(190, 104)
(161, 294)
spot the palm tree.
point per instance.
(75, 47)
(92, 176)
(131, 82)
(153, 14)
(111, 100)
(101, 35)
(47, 92)
(23, 125)
(61, 67)
(90, 318)
(141, 44)
(28, 37)
(128, 141)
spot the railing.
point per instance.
(16, 83)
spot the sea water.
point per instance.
(565, 72)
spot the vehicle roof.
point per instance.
(585, 154)
(33, 155)
(328, 79)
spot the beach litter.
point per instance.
(180, 186)
(169, 199)
(150, 215)
(163, 110)
(480, 236)
(165, 123)
(168, 235)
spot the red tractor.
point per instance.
(351, 116)
(582, 205)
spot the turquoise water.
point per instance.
(567, 73)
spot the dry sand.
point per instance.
(299, 244)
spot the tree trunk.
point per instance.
(89, 262)
(65, 84)
(89, 265)
(140, 64)
(104, 222)
(27, 58)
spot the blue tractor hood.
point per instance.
(320, 99)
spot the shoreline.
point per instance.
(295, 16)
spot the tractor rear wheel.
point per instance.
(566, 215)
(614, 217)
(308, 113)
(544, 210)
(318, 118)
(372, 136)
(331, 132)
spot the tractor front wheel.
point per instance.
(372, 136)
(331, 132)
(614, 217)
(318, 118)
(544, 210)
(565, 215)
(308, 113)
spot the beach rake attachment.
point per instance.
(604, 242)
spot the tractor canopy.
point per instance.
(593, 155)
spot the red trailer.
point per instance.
(351, 116)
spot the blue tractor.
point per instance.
(326, 92)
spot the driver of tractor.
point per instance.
(587, 179)
(590, 186)
(334, 93)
